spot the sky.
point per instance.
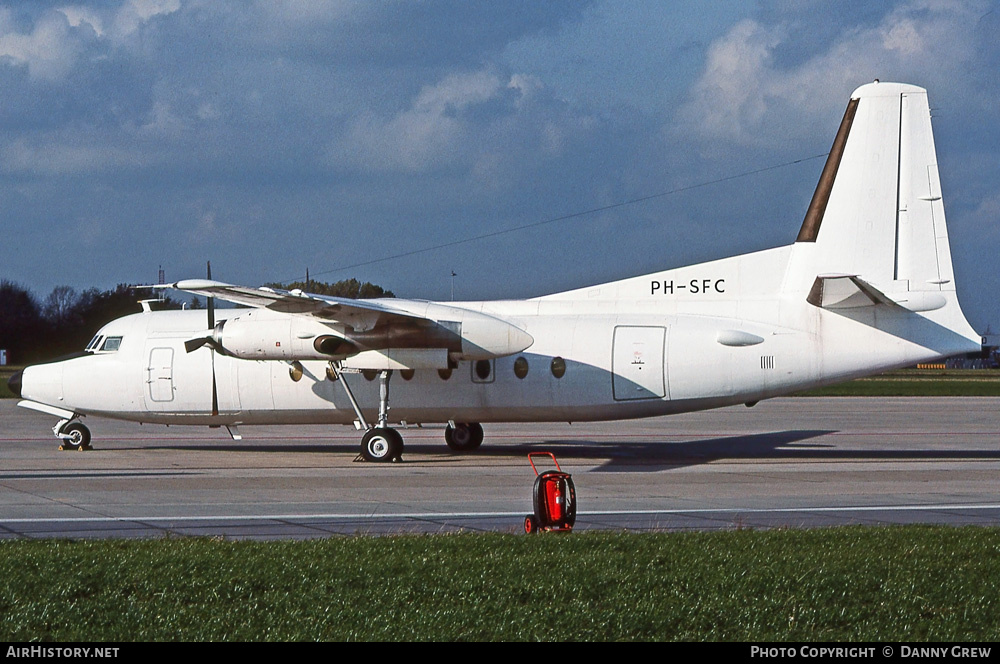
(377, 140)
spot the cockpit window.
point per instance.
(111, 344)
(92, 346)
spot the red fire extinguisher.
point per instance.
(554, 499)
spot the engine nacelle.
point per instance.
(261, 334)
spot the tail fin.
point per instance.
(877, 210)
(877, 213)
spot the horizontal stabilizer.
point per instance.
(844, 291)
(848, 291)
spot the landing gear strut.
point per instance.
(380, 442)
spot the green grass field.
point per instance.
(843, 584)
(918, 383)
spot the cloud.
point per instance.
(132, 15)
(50, 156)
(49, 49)
(57, 39)
(433, 132)
(748, 95)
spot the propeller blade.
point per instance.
(192, 345)
(211, 300)
(215, 345)
(215, 390)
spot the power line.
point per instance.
(572, 215)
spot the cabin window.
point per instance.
(521, 367)
(558, 367)
(407, 374)
(369, 374)
(111, 344)
(444, 373)
(483, 369)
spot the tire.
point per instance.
(79, 436)
(464, 437)
(382, 445)
(530, 525)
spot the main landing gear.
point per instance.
(380, 442)
(464, 436)
(383, 443)
(75, 435)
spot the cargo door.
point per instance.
(637, 363)
(160, 375)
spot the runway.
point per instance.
(794, 462)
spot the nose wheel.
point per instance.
(75, 436)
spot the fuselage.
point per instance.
(710, 335)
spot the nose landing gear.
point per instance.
(75, 435)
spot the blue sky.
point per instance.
(270, 137)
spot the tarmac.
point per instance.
(785, 463)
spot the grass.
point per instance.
(917, 383)
(844, 584)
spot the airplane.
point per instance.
(866, 287)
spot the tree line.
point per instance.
(33, 330)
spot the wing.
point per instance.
(361, 315)
(382, 327)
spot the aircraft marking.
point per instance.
(694, 286)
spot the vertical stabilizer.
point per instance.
(877, 217)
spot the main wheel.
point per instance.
(382, 444)
(464, 437)
(79, 436)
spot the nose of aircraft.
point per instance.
(14, 383)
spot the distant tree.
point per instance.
(21, 323)
(66, 321)
(59, 305)
(351, 288)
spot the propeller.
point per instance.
(212, 341)
(211, 326)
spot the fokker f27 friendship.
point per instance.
(867, 286)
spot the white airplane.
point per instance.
(866, 287)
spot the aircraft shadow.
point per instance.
(645, 456)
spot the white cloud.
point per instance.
(432, 132)
(53, 45)
(54, 156)
(49, 50)
(78, 16)
(746, 96)
(134, 13)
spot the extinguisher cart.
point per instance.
(554, 498)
